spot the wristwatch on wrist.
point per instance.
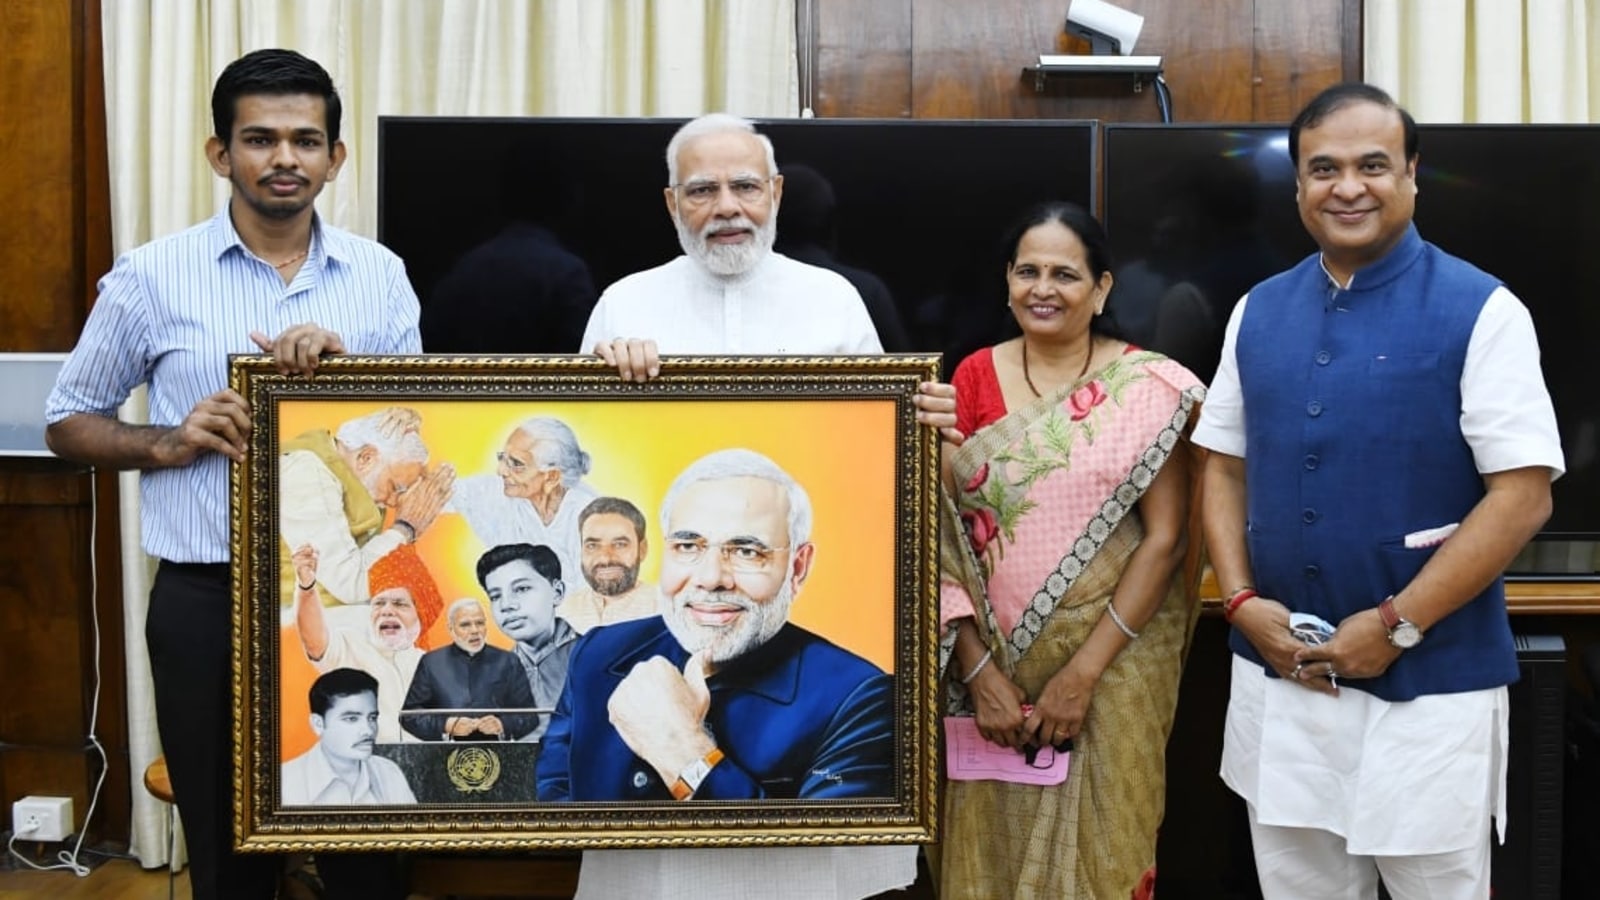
(694, 774)
(1402, 633)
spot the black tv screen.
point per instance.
(1214, 207)
(917, 204)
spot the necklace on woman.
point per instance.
(1081, 372)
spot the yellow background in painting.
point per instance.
(841, 452)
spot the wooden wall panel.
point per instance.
(861, 61)
(45, 536)
(54, 243)
(1300, 49)
(967, 66)
(39, 306)
(1225, 60)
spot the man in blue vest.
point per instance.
(1382, 446)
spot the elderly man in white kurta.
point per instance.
(729, 293)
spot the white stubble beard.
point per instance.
(755, 626)
(725, 260)
(405, 640)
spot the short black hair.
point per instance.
(542, 558)
(1080, 222)
(615, 506)
(336, 683)
(1335, 98)
(274, 73)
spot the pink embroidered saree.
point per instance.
(1043, 523)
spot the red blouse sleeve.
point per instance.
(978, 398)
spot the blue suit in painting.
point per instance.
(796, 718)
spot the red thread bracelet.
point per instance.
(1237, 600)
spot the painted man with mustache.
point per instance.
(340, 769)
(720, 697)
(404, 601)
(613, 548)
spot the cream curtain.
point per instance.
(395, 57)
(1502, 61)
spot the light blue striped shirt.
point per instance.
(170, 312)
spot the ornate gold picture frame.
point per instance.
(699, 611)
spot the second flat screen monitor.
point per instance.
(509, 226)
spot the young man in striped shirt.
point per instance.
(264, 274)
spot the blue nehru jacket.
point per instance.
(798, 718)
(1352, 404)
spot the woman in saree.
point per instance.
(1066, 613)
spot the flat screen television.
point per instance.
(1213, 207)
(919, 205)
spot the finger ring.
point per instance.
(1297, 668)
(1331, 672)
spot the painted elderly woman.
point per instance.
(1063, 595)
(534, 496)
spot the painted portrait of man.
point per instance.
(720, 696)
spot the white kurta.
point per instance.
(1351, 764)
(781, 307)
(587, 608)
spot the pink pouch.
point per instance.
(968, 757)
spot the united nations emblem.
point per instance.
(473, 769)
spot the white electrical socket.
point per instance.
(42, 818)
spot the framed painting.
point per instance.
(517, 602)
